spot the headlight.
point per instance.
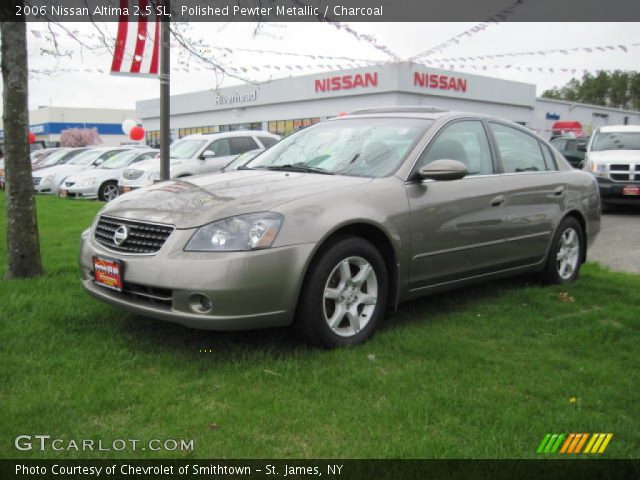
(599, 169)
(47, 180)
(88, 182)
(244, 232)
(131, 174)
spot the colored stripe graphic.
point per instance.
(550, 443)
(573, 443)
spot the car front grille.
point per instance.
(141, 237)
(160, 297)
(624, 172)
(36, 181)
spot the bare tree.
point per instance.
(23, 243)
(79, 137)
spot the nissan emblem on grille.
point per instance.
(131, 236)
(120, 235)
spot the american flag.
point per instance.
(136, 50)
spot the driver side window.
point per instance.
(219, 147)
(464, 141)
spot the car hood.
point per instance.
(59, 170)
(612, 156)
(151, 165)
(195, 201)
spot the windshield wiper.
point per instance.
(298, 168)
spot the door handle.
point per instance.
(559, 191)
(497, 201)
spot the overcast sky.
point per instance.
(94, 89)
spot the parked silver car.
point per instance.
(102, 182)
(342, 221)
(197, 154)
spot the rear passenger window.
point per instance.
(464, 141)
(242, 144)
(267, 141)
(519, 151)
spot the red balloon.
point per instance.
(136, 133)
(32, 137)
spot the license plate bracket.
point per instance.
(108, 272)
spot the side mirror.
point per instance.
(98, 162)
(444, 170)
(207, 154)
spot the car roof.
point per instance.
(234, 133)
(620, 128)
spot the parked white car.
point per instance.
(48, 180)
(102, 182)
(197, 154)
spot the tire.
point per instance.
(333, 292)
(108, 191)
(566, 253)
(605, 207)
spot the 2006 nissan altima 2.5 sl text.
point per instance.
(340, 222)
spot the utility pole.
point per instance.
(165, 82)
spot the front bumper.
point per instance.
(248, 290)
(79, 192)
(125, 186)
(612, 192)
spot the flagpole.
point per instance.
(165, 82)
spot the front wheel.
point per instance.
(344, 294)
(566, 254)
(108, 191)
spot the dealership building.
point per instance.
(47, 123)
(282, 106)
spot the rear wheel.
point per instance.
(344, 294)
(108, 191)
(567, 252)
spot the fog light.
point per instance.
(200, 303)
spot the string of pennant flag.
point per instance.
(564, 51)
(496, 18)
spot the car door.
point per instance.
(221, 150)
(456, 225)
(535, 193)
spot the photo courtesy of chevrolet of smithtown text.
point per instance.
(338, 239)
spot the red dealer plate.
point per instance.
(108, 272)
(631, 190)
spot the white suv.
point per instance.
(613, 156)
(197, 154)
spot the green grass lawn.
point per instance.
(483, 372)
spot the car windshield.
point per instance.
(120, 160)
(54, 158)
(185, 148)
(616, 141)
(86, 158)
(242, 160)
(366, 147)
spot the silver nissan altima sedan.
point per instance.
(340, 222)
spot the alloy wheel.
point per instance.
(110, 192)
(350, 296)
(568, 256)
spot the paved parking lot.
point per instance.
(618, 245)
